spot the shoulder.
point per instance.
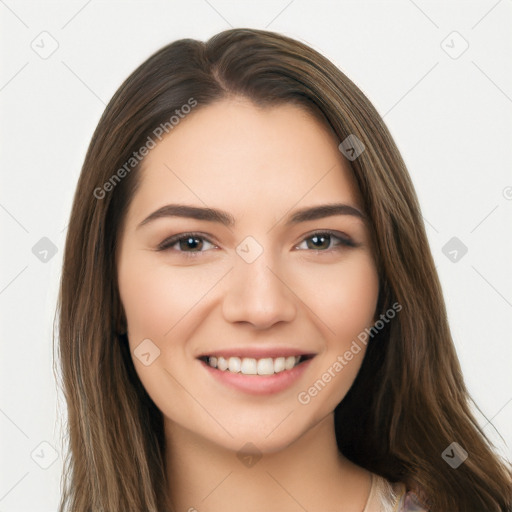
(386, 496)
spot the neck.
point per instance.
(308, 474)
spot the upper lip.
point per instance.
(256, 352)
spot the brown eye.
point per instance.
(325, 240)
(319, 242)
(191, 242)
(186, 243)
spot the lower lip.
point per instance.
(259, 384)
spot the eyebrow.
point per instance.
(225, 218)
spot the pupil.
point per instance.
(190, 243)
(315, 239)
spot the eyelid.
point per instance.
(174, 239)
(344, 241)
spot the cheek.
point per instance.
(344, 297)
(148, 302)
(345, 302)
(161, 304)
(157, 298)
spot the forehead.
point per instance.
(234, 154)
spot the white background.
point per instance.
(451, 118)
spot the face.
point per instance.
(271, 286)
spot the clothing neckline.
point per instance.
(372, 479)
(384, 496)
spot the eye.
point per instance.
(192, 243)
(186, 242)
(325, 240)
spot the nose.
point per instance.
(257, 294)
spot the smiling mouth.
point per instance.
(252, 366)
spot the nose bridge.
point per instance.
(256, 292)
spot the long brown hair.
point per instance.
(408, 402)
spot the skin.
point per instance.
(259, 165)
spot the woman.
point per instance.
(250, 316)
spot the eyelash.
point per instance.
(169, 242)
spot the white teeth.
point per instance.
(222, 364)
(279, 364)
(289, 362)
(266, 366)
(251, 366)
(234, 364)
